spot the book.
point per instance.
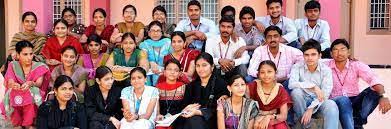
(166, 122)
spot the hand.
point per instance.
(226, 64)
(234, 37)
(222, 98)
(190, 110)
(282, 40)
(115, 122)
(259, 26)
(53, 62)
(239, 52)
(27, 85)
(159, 117)
(384, 105)
(155, 68)
(15, 86)
(129, 117)
(319, 94)
(200, 35)
(306, 118)
(104, 42)
(264, 122)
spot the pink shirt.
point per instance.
(285, 59)
(346, 81)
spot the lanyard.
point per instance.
(195, 28)
(236, 118)
(137, 103)
(226, 51)
(158, 56)
(313, 34)
(270, 57)
(342, 83)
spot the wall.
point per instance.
(372, 49)
(12, 19)
(43, 9)
(94, 4)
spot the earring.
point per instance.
(230, 93)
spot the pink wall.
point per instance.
(43, 9)
(331, 12)
(104, 4)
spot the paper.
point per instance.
(168, 121)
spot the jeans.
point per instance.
(295, 44)
(355, 110)
(328, 109)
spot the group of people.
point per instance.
(263, 73)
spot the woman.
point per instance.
(202, 94)
(101, 29)
(74, 29)
(272, 98)
(139, 102)
(103, 101)
(129, 13)
(157, 46)
(62, 112)
(29, 22)
(159, 13)
(26, 82)
(54, 45)
(185, 56)
(171, 93)
(69, 67)
(94, 59)
(237, 112)
(124, 59)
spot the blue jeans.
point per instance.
(355, 110)
(328, 109)
(295, 44)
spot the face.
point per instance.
(137, 79)
(312, 14)
(129, 15)
(29, 23)
(340, 53)
(203, 68)
(177, 43)
(274, 10)
(267, 74)
(70, 18)
(247, 20)
(155, 32)
(26, 56)
(159, 16)
(68, 58)
(229, 14)
(64, 92)
(311, 57)
(226, 29)
(238, 87)
(273, 38)
(99, 19)
(194, 12)
(172, 72)
(94, 48)
(60, 30)
(128, 45)
(106, 81)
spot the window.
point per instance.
(59, 5)
(177, 9)
(380, 15)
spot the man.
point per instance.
(274, 9)
(196, 28)
(248, 31)
(228, 11)
(282, 55)
(312, 27)
(222, 49)
(354, 106)
(311, 83)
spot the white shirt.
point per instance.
(206, 26)
(216, 48)
(289, 32)
(320, 33)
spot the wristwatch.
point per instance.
(138, 117)
(275, 116)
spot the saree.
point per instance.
(37, 39)
(34, 95)
(87, 63)
(270, 105)
(249, 112)
(52, 48)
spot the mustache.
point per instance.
(224, 32)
